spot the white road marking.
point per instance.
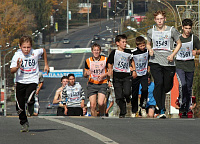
(92, 133)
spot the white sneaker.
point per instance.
(162, 116)
(143, 112)
(133, 115)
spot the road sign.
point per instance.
(61, 73)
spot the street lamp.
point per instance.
(5, 96)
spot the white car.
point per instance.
(66, 41)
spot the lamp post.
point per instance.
(5, 95)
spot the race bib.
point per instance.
(121, 62)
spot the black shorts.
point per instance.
(74, 111)
(60, 111)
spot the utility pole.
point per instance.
(199, 18)
(0, 72)
(100, 16)
(132, 8)
(107, 10)
(67, 16)
(88, 15)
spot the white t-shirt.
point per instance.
(28, 71)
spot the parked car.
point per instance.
(66, 41)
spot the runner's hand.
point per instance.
(151, 52)
(170, 58)
(46, 69)
(19, 62)
(194, 52)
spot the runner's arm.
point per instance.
(46, 66)
(178, 46)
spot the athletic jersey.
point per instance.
(97, 68)
(28, 71)
(185, 52)
(73, 95)
(121, 63)
(163, 44)
(141, 61)
(188, 65)
(151, 100)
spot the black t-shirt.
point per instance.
(188, 65)
(138, 51)
(110, 60)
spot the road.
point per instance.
(76, 130)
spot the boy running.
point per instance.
(140, 58)
(96, 70)
(25, 65)
(185, 65)
(161, 60)
(119, 66)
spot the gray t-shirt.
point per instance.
(160, 56)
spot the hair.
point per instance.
(25, 39)
(71, 75)
(119, 37)
(187, 22)
(163, 13)
(95, 45)
(64, 77)
(139, 40)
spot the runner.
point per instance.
(96, 70)
(162, 65)
(185, 65)
(74, 97)
(140, 58)
(119, 66)
(58, 97)
(25, 65)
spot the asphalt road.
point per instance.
(76, 130)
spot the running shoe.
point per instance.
(162, 114)
(25, 127)
(121, 116)
(133, 115)
(143, 112)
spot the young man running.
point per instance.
(96, 70)
(119, 66)
(25, 65)
(185, 65)
(162, 65)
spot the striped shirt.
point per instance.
(73, 95)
